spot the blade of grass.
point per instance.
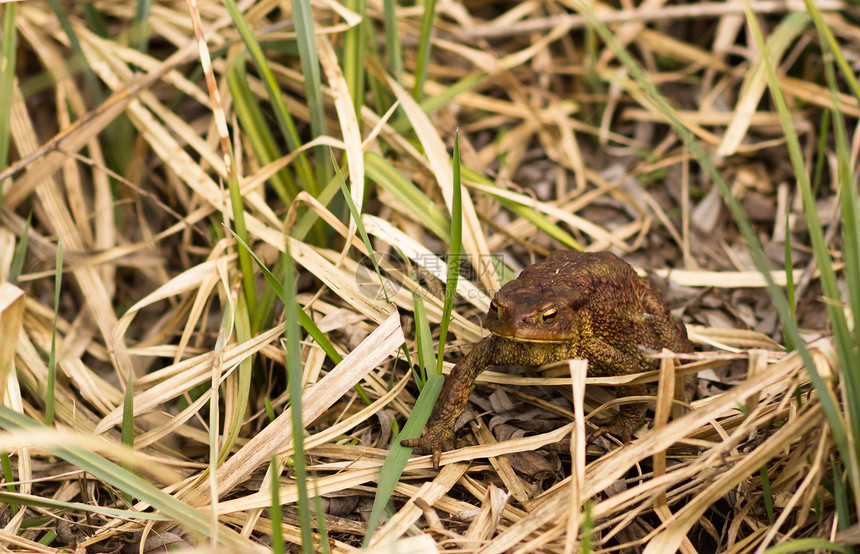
(425, 210)
(850, 227)
(840, 494)
(789, 278)
(52, 504)
(833, 46)
(393, 54)
(139, 33)
(587, 529)
(807, 545)
(7, 76)
(306, 322)
(278, 546)
(95, 89)
(851, 256)
(282, 113)
(422, 59)
(527, 212)
(395, 461)
(237, 204)
(308, 220)
(356, 216)
(52, 357)
(320, 515)
(294, 382)
(397, 457)
(127, 429)
(307, 45)
(821, 155)
(20, 249)
(352, 56)
(304, 319)
(124, 480)
(119, 132)
(255, 128)
(237, 402)
(433, 103)
(455, 253)
(827, 276)
(9, 478)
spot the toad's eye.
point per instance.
(495, 310)
(549, 316)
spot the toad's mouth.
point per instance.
(516, 338)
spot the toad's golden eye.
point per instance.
(495, 310)
(549, 315)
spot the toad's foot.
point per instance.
(629, 417)
(622, 427)
(434, 441)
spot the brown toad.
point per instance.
(588, 305)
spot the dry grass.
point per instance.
(563, 149)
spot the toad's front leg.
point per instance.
(606, 360)
(452, 402)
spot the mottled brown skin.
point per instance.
(588, 305)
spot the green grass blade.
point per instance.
(425, 210)
(422, 60)
(320, 515)
(850, 232)
(95, 89)
(830, 43)
(807, 545)
(237, 205)
(424, 340)
(433, 103)
(7, 74)
(294, 380)
(52, 357)
(126, 481)
(587, 529)
(282, 114)
(845, 346)
(356, 216)
(9, 478)
(455, 253)
(851, 364)
(127, 427)
(307, 221)
(526, 212)
(52, 504)
(94, 19)
(844, 510)
(304, 319)
(239, 402)
(395, 462)
(397, 457)
(20, 249)
(278, 546)
(254, 125)
(789, 279)
(306, 39)
(393, 53)
(541, 222)
(851, 255)
(352, 56)
(821, 155)
(139, 33)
